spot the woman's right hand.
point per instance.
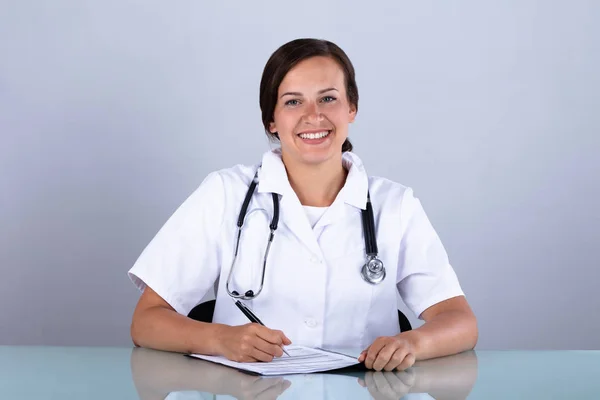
(251, 342)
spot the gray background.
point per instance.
(112, 112)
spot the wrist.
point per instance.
(214, 338)
(207, 338)
(416, 342)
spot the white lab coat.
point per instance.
(313, 290)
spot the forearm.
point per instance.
(163, 329)
(447, 333)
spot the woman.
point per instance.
(313, 293)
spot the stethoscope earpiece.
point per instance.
(248, 295)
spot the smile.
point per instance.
(314, 135)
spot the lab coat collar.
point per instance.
(357, 181)
(273, 178)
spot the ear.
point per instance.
(352, 113)
(272, 127)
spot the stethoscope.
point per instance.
(372, 271)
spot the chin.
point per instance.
(318, 157)
(313, 155)
(313, 160)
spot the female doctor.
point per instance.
(313, 223)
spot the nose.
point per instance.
(313, 113)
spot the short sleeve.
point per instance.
(425, 276)
(182, 262)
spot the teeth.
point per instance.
(317, 135)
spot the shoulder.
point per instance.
(387, 196)
(389, 193)
(395, 201)
(216, 191)
(381, 189)
(229, 179)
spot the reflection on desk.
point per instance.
(42, 372)
(160, 375)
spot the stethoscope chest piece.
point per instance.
(373, 271)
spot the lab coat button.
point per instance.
(315, 260)
(311, 323)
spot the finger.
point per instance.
(409, 361)
(363, 355)
(249, 352)
(374, 349)
(386, 354)
(377, 346)
(286, 341)
(270, 335)
(260, 355)
(246, 359)
(271, 349)
(395, 359)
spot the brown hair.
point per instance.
(285, 58)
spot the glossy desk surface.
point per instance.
(135, 373)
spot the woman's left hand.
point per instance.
(389, 353)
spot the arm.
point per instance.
(450, 327)
(429, 287)
(451, 377)
(177, 268)
(155, 324)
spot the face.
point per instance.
(312, 113)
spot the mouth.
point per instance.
(314, 135)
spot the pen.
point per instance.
(253, 318)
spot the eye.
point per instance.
(292, 102)
(328, 99)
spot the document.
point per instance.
(302, 360)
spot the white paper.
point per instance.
(302, 360)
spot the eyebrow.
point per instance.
(300, 94)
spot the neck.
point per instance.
(316, 185)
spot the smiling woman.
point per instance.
(306, 69)
(312, 112)
(308, 97)
(347, 243)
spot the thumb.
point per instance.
(286, 340)
(362, 356)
